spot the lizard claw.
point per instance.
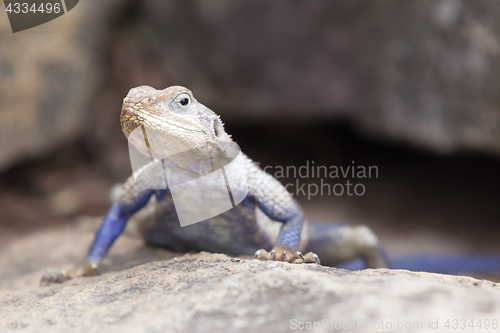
(257, 253)
(286, 254)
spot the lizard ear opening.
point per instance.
(219, 130)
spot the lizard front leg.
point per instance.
(275, 201)
(131, 200)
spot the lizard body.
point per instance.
(268, 223)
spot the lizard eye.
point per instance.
(183, 100)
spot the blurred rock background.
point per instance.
(410, 86)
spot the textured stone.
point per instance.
(215, 293)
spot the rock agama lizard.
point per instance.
(268, 224)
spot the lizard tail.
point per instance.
(337, 243)
(449, 264)
(483, 264)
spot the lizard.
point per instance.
(268, 224)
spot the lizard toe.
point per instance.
(60, 275)
(263, 255)
(274, 255)
(53, 275)
(312, 257)
(286, 254)
(296, 258)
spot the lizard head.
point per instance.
(172, 117)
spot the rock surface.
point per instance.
(215, 293)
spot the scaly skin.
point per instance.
(268, 219)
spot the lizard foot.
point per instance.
(60, 275)
(285, 253)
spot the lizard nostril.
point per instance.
(127, 112)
